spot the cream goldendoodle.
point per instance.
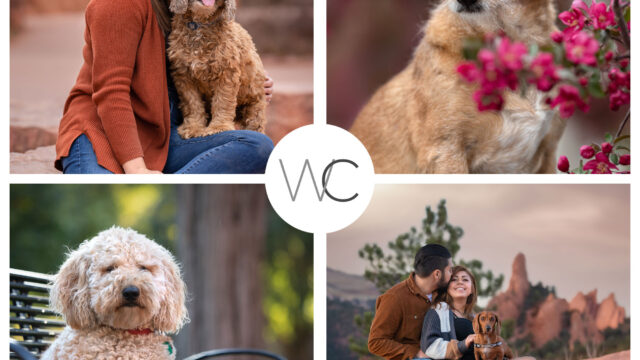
(216, 69)
(120, 293)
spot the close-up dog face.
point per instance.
(486, 322)
(123, 280)
(205, 10)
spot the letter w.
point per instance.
(307, 165)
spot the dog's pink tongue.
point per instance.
(208, 2)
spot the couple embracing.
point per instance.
(428, 315)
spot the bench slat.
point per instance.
(37, 322)
(29, 299)
(34, 333)
(33, 311)
(29, 287)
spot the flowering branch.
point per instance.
(589, 58)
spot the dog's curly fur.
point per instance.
(216, 69)
(88, 292)
(425, 121)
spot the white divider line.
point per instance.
(320, 296)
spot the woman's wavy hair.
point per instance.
(161, 8)
(442, 295)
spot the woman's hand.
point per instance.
(268, 87)
(471, 338)
(137, 166)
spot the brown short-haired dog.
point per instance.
(488, 345)
(424, 120)
(215, 68)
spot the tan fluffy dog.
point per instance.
(488, 345)
(216, 69)
(119, 294)
(425, 121)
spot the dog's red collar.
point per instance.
(139, 331)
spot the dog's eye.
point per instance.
(110, 268)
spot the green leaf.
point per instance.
(596, 147)
(595, 88)
(608, 137)
(471, 47)
(623, 137)
(623, 148)
(613, 157)
(627, 15)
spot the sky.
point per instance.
(574, 237)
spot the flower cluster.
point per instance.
(585, 60)
(602, 159)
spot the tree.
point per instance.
(221, 233)
(386, 270)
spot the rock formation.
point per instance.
(509, 304)
(583, 318)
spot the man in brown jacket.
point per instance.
(395, 331)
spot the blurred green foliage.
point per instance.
(48, 220)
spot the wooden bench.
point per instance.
(34, 326)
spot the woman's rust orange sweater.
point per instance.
(120, 100)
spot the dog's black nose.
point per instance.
(488, 328)
(131, 293)
(467, 3)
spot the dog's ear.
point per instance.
(70, 295)
(230, 10)
(173, 312)
(498, 324)
(476, 324)
(179, 6)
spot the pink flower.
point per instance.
(625, 159)
(557, 37)
(587, 151)
(469, 71)
(600, 165)
(579, 5)
(618, 98)
(608, 56)
(606, 148)
(544, 72)
(568, 99)
(510, 55)
(488, 100)
(563, 164)
(581, 48)
(618, 88)
(574, 19)
(583, 81)
(600, 16)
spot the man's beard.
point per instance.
(443, 285)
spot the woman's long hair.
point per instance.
(161, 8)
(442, 295)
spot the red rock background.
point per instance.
(557, 324)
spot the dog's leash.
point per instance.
(499, 343)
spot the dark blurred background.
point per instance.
(248, 273)
(368, 42)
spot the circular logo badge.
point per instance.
(319, 178)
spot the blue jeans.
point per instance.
(229, 152)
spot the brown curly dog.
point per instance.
(215, 68)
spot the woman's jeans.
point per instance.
(228, 152)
